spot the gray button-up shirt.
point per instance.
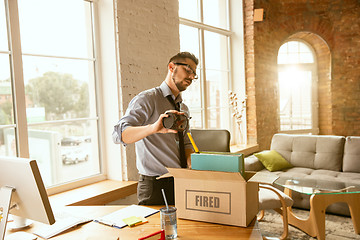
(160, 150)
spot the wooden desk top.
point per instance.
(187, 229)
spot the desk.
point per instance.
(187, 230)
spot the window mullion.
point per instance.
(96, 47)
(209, 28)
(201, 9)
(204, 113)
(18, 88)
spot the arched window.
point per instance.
(297, 88)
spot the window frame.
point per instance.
(103, 24)
(235, 34)
(201, 28)
(312, 67)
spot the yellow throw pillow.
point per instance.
(272, 160)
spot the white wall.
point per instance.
(147, 36)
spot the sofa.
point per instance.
(334, 158)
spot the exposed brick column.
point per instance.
(250, 72)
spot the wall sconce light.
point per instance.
(259, 15)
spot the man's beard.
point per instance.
(179, 86)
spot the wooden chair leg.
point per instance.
(261, 215)
(283, 212)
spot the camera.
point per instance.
(175, 121)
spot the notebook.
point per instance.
(116, 219)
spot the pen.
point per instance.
(160, 235)
(193, 143)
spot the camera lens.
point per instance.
(181, 122)
(175, 121)
(168, 122)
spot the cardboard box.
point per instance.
(217, 197)
(216, 161)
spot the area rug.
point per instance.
(336, 227)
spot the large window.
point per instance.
(297, 88)
(48, 87)
(204, 31)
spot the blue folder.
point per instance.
(218, 161)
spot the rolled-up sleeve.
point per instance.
(137, 114)
(118, 129)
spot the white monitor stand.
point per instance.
(5, 199)
(22, 193)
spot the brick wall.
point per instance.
(332, 28)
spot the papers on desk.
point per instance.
(116, 219)
(132, 216)
(60, 226)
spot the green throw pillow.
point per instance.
(272, 160)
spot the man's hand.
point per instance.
(134, 134)
(158, 126)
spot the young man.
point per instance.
(156, 146)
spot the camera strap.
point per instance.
(183, 162)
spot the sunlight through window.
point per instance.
(208, 97)
(295, 52)
(296, 69)
(59, 82)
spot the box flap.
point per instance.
(219, 153)
(263, 177)
(205, 175)
(166, 175)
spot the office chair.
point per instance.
(211, 140)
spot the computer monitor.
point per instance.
(22, 192)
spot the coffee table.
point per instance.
(323, 193)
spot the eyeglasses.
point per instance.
(188, 70)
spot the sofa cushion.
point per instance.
(283, 144)
(349, 177)
(295, 172)
(252, 163)
(310, 151)
(272, 160)
(351, 161)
